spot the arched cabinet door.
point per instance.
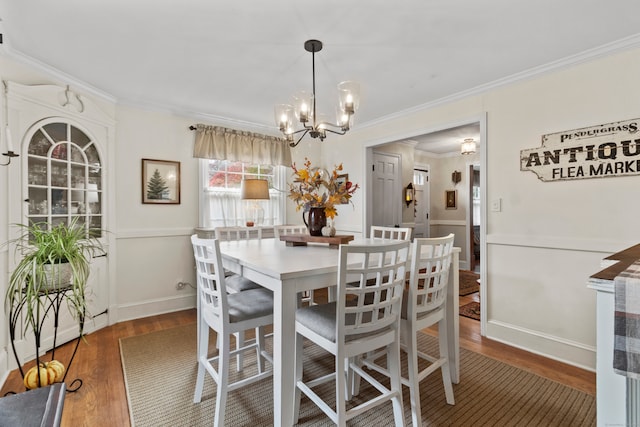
(66, 146)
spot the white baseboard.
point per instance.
(552, 347)
(153, 307)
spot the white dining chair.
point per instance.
(283, 230)
(423, 305)
(226, 314)
(236, 282)
(364, 318)
(392, 233)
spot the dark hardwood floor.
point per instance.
(102, 401)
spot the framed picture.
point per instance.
(450, 199)
(342, 180)
(160, 182)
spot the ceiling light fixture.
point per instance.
(304, 107)
(468, 146)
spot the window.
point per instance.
(220, 184)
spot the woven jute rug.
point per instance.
(160, 370)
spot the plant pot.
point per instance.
(56, 276)
(317, 220)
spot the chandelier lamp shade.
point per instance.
(468, 146)
(301, 118)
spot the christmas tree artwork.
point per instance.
(157, 187)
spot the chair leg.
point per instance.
(299, 356)
(444, 354)
(411, 342)
(393, 357)
(341, 387)
(259, 347)
(240, 356)
(203, 346)
(223, 380)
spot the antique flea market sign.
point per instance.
(594, 152)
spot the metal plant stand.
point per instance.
(53, 301)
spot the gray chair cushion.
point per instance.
(321, 319)
(237, 283)
(250, 304)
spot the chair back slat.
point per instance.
(390, 233)
(429, 275)
(283, 230)
(225, 234)
(370, 285)
(212, 292)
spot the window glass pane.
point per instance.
(59, 152)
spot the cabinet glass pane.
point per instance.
(56, 131)
(60, 151)
(58, 174)
(78, 137)
(37, 171)
(39, 145)
(92, 155)
(77, 155)
(38, 201)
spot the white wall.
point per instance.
(549, 237)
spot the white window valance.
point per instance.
(214, 142)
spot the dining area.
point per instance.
(382, 289)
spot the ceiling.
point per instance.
(231, 61)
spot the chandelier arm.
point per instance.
(341, 132)
(294, 144)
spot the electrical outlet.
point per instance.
(496, 205)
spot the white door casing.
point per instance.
(422, 202)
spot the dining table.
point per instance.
(289, 270)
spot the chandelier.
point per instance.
(303, 109)
(468, 146)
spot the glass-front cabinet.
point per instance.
(64, 178)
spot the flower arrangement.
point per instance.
(313, 188)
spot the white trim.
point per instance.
(452, 222)
(564, 350)
(564, 243)
(143, 233)
(155, 307)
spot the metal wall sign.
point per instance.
(603, 151)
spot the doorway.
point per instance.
(422, 202)
(385, 187)
(440, 149)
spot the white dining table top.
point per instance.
(274, 258)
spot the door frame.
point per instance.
(367, 154)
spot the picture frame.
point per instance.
(451, 199)
(343, 179)
(160, 182)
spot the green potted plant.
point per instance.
(53, 258)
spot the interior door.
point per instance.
(386, 198)
(422, 203)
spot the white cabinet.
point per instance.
(65, 142)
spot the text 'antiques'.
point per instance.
(607, 150)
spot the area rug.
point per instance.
(471, 310)
(160, 370)
(468, 282)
